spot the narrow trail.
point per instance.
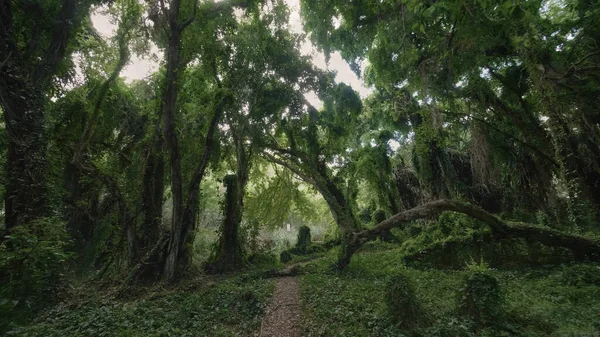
(282, 316)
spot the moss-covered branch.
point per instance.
(581, 246)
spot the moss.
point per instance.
(580, 275)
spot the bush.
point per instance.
(263, 259)
(480, 299)
(304, 239)
(402, 303)
(315, 249)
(285, 256)
(582, 275)
(378, 216)
(33, 263)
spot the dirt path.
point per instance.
(282, 316)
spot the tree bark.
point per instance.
(229, 255)
(170, 101)
(25, 198)
(152, 192)
(23, 89)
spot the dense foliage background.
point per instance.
(474, 161)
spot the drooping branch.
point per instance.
(507, 135)
(290, 167)
(88, 130)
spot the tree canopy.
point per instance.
(485, 108)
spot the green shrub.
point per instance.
(582, 275)
(315, 249)
(33, 264)
(304, 239)
(285, 256)
(480, 299)
(378, 216)
(263, 259)
(404, 307)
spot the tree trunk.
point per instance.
(170, 101)
(342, 213)
(23, 89)
(193, 194)
(229, 255)
(25, 198)
(152, 193)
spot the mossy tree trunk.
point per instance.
(184, 209)
(153, 191)
(26, 76)
(229, 253)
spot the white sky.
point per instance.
(141, 67)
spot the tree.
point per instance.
(483, 62)
(28, 73)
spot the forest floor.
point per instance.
(310, 299)
(559, 300)
(282, 316)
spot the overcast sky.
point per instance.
(141, 67)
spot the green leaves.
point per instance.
(231, 308)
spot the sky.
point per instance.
(141, 67)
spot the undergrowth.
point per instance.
(229, 307)
(542, 301)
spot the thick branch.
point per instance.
(208, 145)
(88, 131)
(582, 246)
(290, 167)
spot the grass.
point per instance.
(538, 302)
(231, 307)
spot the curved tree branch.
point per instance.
(581, 246)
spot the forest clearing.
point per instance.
(299, 168)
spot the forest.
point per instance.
(242, 188)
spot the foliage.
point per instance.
(274, 197)
(233, 307)
(490, 103)
(537, 302)
(581, 275)
(34, 266)
(297, 254)
(262, 260)
(285, 256)
(378, 216)
(303, 246)
(480, 299)
(204, 243)
(402, 302)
